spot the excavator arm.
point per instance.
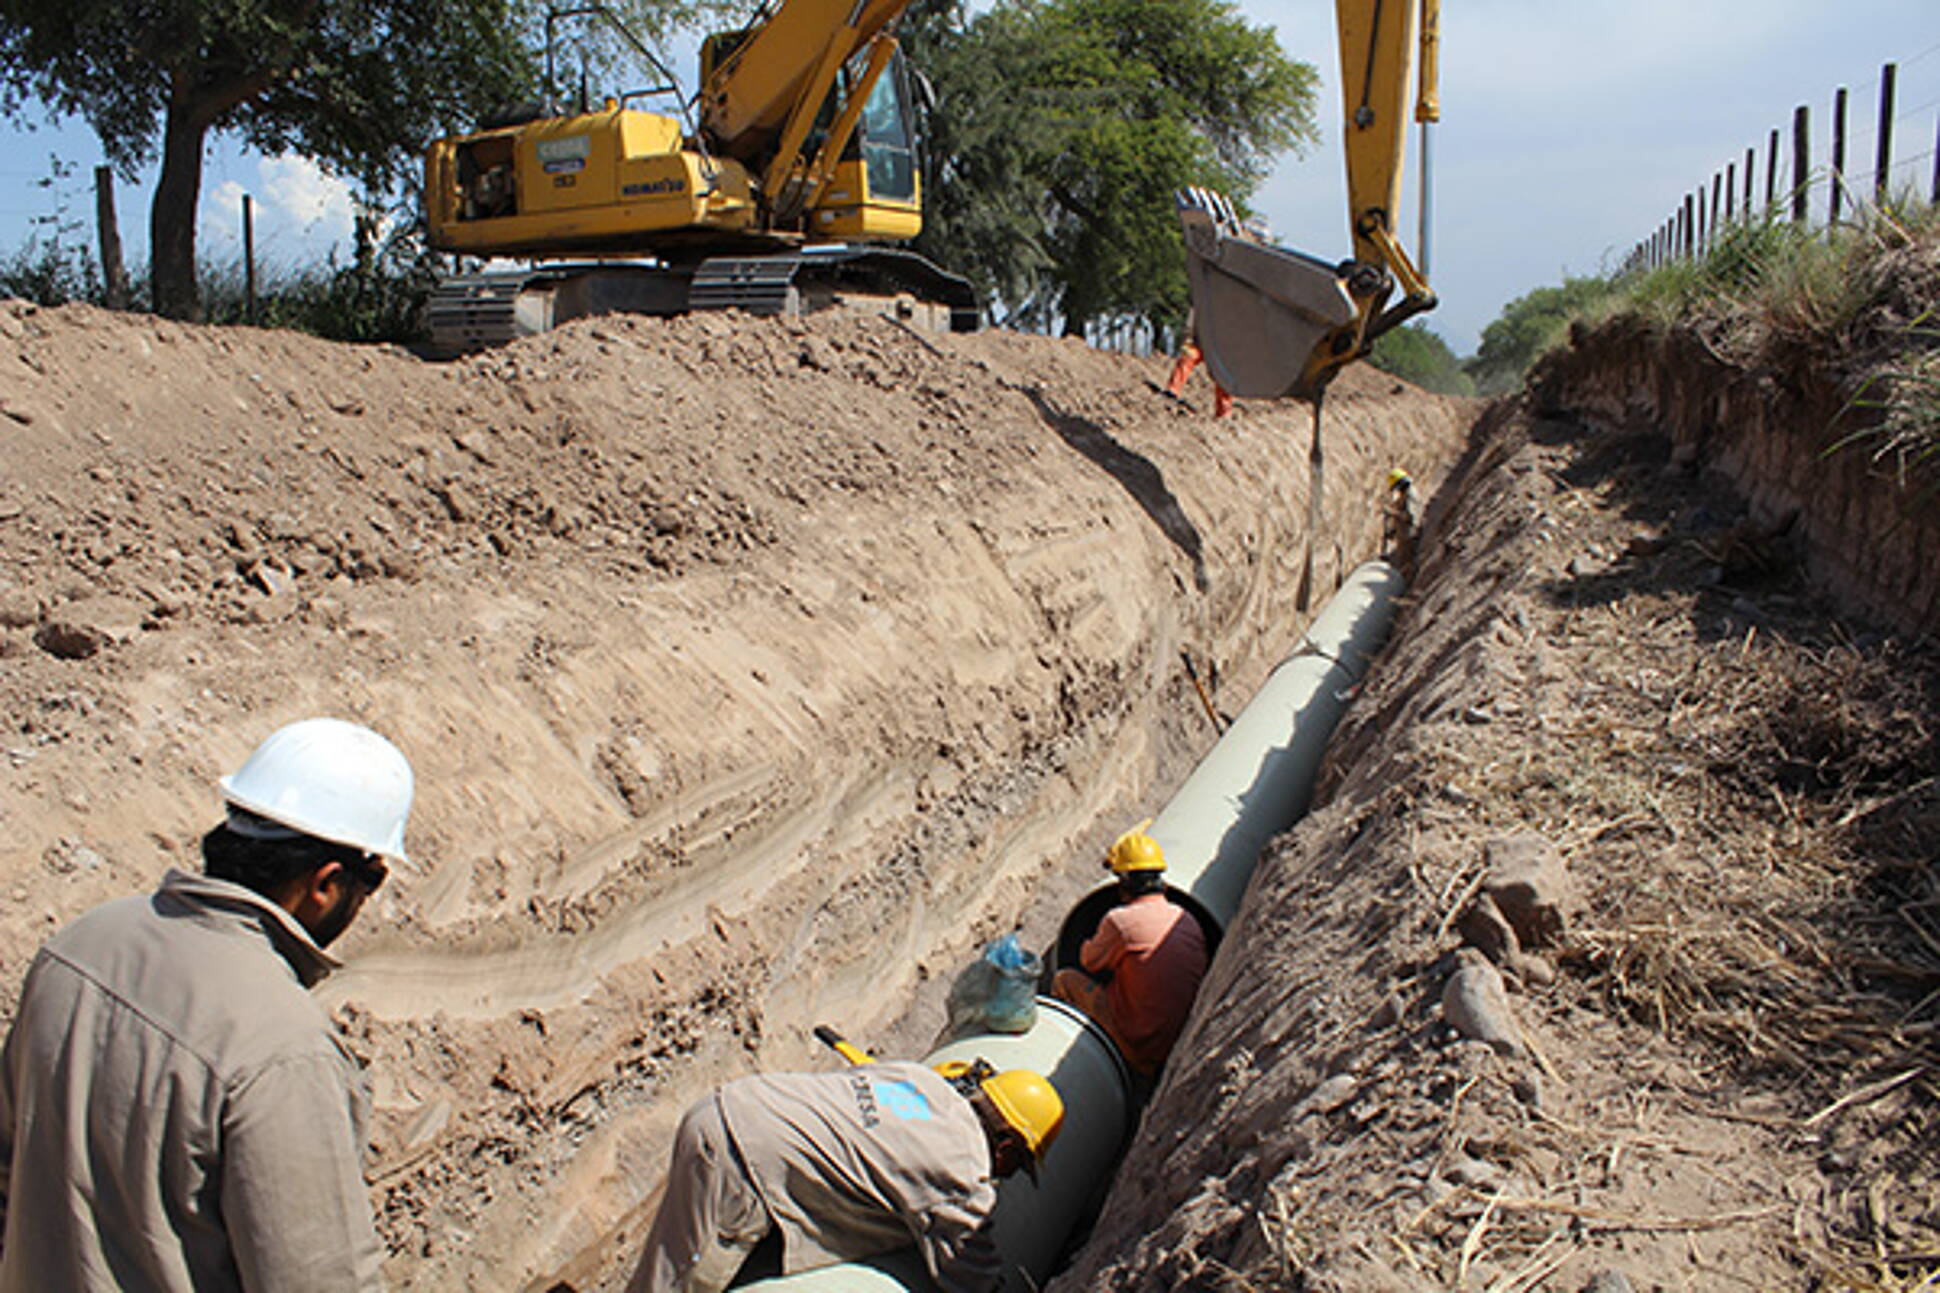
(1275, 322)
(761, 99)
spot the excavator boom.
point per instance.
(1275, 322)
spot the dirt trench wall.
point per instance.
(1771, 430)
(753, 672)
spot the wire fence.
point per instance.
(1788, 180)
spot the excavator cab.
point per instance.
(874, 191)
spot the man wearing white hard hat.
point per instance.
(176, 1111)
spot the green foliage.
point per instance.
(1415, 354)
(1904, 397)
(353, 85)
(54, 264)
(1860, 299)
(1790, 276)
(1062, 128)
(359, 86)
(1528, 326)
(49, 272)
(379, 296)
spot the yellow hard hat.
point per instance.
(1397, 477)
(1135, 851)
(1031, 1105)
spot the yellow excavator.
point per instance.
(1274, 322)
(773, 190)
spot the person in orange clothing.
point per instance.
(1190, 358)
(1144, 965)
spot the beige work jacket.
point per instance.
(176, 1112)
(866, 1160)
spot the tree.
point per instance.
(1528, 326)
(1415, 354)
(1062, 128)
(357, 86)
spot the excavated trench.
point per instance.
(1654, 648)
(754, 674)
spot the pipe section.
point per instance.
(1253, 784)
(1257, 780)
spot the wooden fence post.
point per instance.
(1936, 159)
(1838, 153)
(1801, 160)
(1690, 229)
(1771, 173)
(1730, 192)
(114, 279)
(1883, 166)
(249, 259)
(1751, 162)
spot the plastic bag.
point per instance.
(997, 992)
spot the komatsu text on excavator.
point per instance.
(1273, 322)
(773, 191)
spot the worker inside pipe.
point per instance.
(1142, 967)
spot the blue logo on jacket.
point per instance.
(903, 1100)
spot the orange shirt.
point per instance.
(1156, 953)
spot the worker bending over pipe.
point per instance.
(1143, 967)
(847, 1165)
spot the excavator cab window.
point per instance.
(888, 137)
(485, 182)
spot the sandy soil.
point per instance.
(754, 672)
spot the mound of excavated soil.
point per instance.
(753, 672)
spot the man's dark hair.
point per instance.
(1140, 883)
(267, 866)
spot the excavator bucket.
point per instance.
(1262, 314)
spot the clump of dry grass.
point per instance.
(1807, 938)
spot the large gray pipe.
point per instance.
(1253, 784)
(1257, 780)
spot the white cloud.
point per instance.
(220, 226)
(301, 214)
(300, 199)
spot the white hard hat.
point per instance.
(331, 779)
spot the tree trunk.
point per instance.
(171, 221)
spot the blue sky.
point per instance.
(1570, 130)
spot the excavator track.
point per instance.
(478, 311)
